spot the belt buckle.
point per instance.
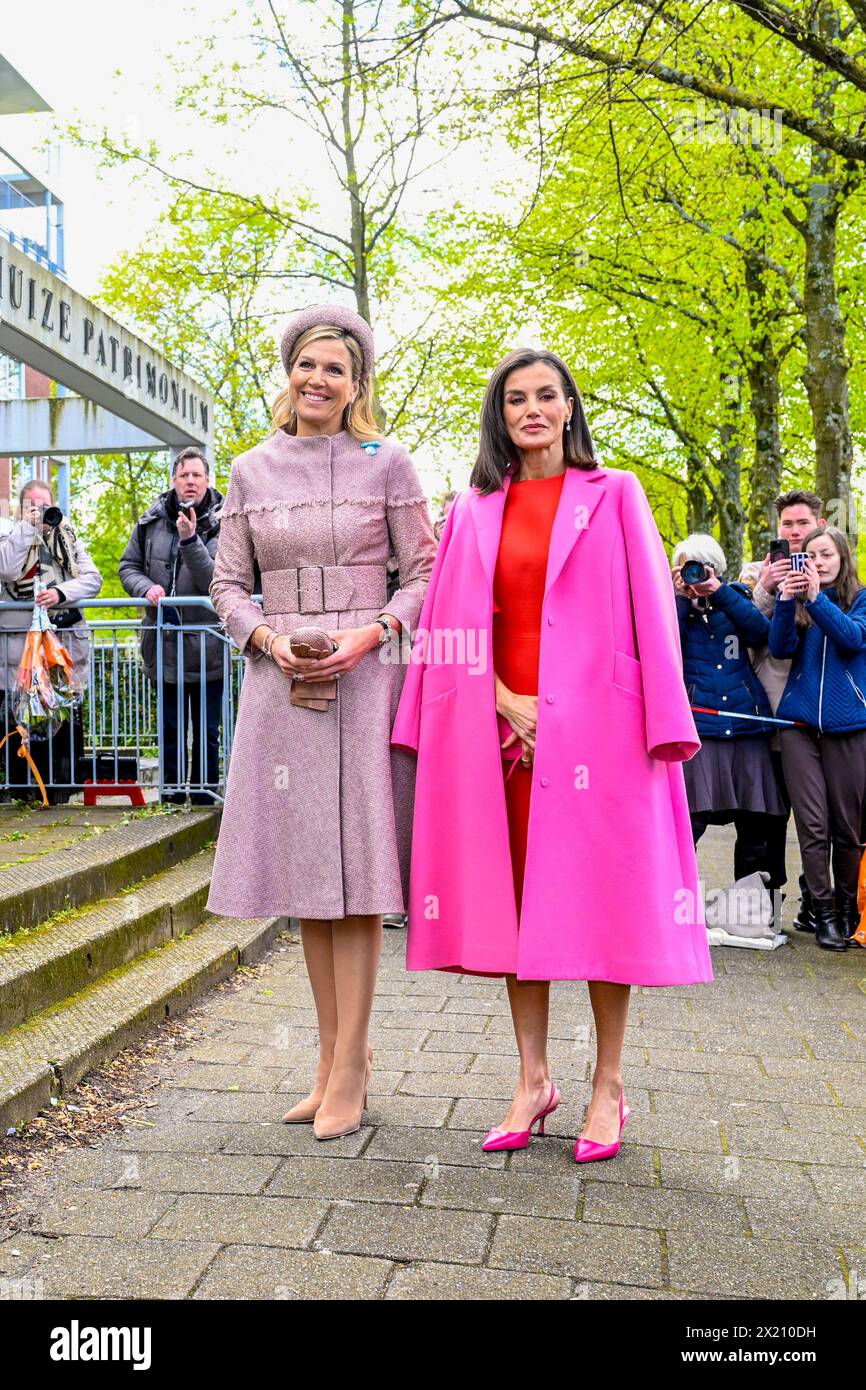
(298, 587)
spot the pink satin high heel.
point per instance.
(519, 1138)
(588, 1151)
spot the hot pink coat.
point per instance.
(611, 886)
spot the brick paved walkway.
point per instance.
(742, 1174)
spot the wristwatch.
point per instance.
(387, 630)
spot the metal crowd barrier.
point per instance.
(121, 734)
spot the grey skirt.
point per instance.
(734, 774)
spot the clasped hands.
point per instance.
(353, 644)
(521, 711)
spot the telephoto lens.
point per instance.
(52, 516)
(693, 572)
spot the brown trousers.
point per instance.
(826, 780)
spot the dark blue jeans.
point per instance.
(175, 773)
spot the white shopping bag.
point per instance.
(742, 915)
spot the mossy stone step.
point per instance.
(62, 956)
(48, 1055)
(100, 866)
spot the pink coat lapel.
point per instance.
(578, 500)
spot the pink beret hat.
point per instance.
(343, 320)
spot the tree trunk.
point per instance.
(826, 373)
(764, 395)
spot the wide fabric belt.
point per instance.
(324, 588)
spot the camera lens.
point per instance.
(52, 516)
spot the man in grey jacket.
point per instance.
(171, 551)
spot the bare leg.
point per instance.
(316, 938)
(530, 1004)
(610, 1008)
(356, 945)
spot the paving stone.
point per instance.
(734, 1175)
(719, 1063)
(661, 1132)
(839, 1184)
(427, 1111)
(432, 1146)
(578, 1249)
(407, 1233)
(797, 1146)
(466, 1283)
(345, 1179)
(220, 1051)
(777, 1218)
(79, 1211)
(237, 1220)
(276, 1138)
(663, 1210)
(756, 1268)
(635, 1163)
(834, 1119)
(158, 1172)
(730, 1113)
(454, 1063)
(574, 1067)
(238, 1107)
(461, 1026)
(477, 1189)
(269, 1273)
(210, 1077)
(771, 1088)
(85, 1267)
(169, 1136)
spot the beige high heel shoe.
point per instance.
(305, 1111)
(338, 1128)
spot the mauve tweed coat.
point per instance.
(317, 819)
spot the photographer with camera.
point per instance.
(44, 545)
(732, 778)
(171, 551)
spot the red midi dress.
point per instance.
(518, 595)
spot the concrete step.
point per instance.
(101, 865)
(62, 956)
(50, 1053)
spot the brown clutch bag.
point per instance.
(312, 642)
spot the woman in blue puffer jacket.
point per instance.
(819, 620)
(732, 777)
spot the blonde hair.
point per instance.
(358, 416)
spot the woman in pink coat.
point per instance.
(545, 704)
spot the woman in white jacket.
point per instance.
(68, 577)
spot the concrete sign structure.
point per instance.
(133, 397)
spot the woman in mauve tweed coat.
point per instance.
(318, 812)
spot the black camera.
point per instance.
(51, 516)
(694, 572)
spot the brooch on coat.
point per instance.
(371, 446)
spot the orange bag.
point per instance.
(860, 934)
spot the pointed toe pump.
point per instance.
(498, 1139)
(588, 1151)
(336, 1128)
(304, 1112)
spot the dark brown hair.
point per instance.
(191, 453)
(799, 497)
(497, 455)
(847, 582)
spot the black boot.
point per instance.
(827, 932)
(847, 913)
(805, 918)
